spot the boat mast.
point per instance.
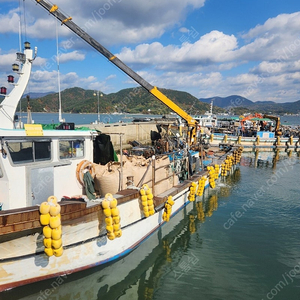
(60, 119)
(10, 103)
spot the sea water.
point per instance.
(79, 119)
(240, 240)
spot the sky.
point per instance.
(207, 48)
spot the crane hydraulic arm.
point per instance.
(277, 124)
(67, 21)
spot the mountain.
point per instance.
(138, 100)
(228, 102)
(238, 104)
(131, 100)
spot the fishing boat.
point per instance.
(51, 223)
(208, 120)
(69, 203)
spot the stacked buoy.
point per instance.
(212, 176)
(192, 193)
(201, 186)
(112, 216)
(50, 218)
(147, 200)
(217, 171)
(227, 165)
(237, 154)
(168, 209)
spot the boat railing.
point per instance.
(179, 166)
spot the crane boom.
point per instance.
(67, 21)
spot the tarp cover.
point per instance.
(103, 149)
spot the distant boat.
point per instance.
(208, 120)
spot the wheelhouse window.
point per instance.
(29, 151)
(71, 148)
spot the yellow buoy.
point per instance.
(116, 227)
(115, 212)
(56, 243)
(108, 196)
(49, 251)
(47, 242)
(116, 219)
(109, 228)
(107, 212)
(118, 233)
(109, 221)
(55, 210)
(47, 231)
(105, 204)
(52, 199)
(56, 233)
(151, 207)
(58, 252)
(44, 208)
(144, 198)
(111, 235)
(142, 192)
(45, 219)
(55, 221)
(150, 202)
(151, 212)
(113, 203)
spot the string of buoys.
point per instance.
(201, 186)
(212, 176)
(112, 216)
(147, 200)
(237, 154)
(50, 218)
(192, 193)
(168, 209)
(231, 160)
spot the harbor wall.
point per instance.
(138, 131)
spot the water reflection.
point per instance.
(261, 159)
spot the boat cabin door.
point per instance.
(42, 184)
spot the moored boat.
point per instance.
(63, 212)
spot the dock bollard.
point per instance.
(225, 138)
(291, 140)
(257, 140)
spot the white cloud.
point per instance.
(214, 47)
(71, 56)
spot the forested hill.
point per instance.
(131, 100)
